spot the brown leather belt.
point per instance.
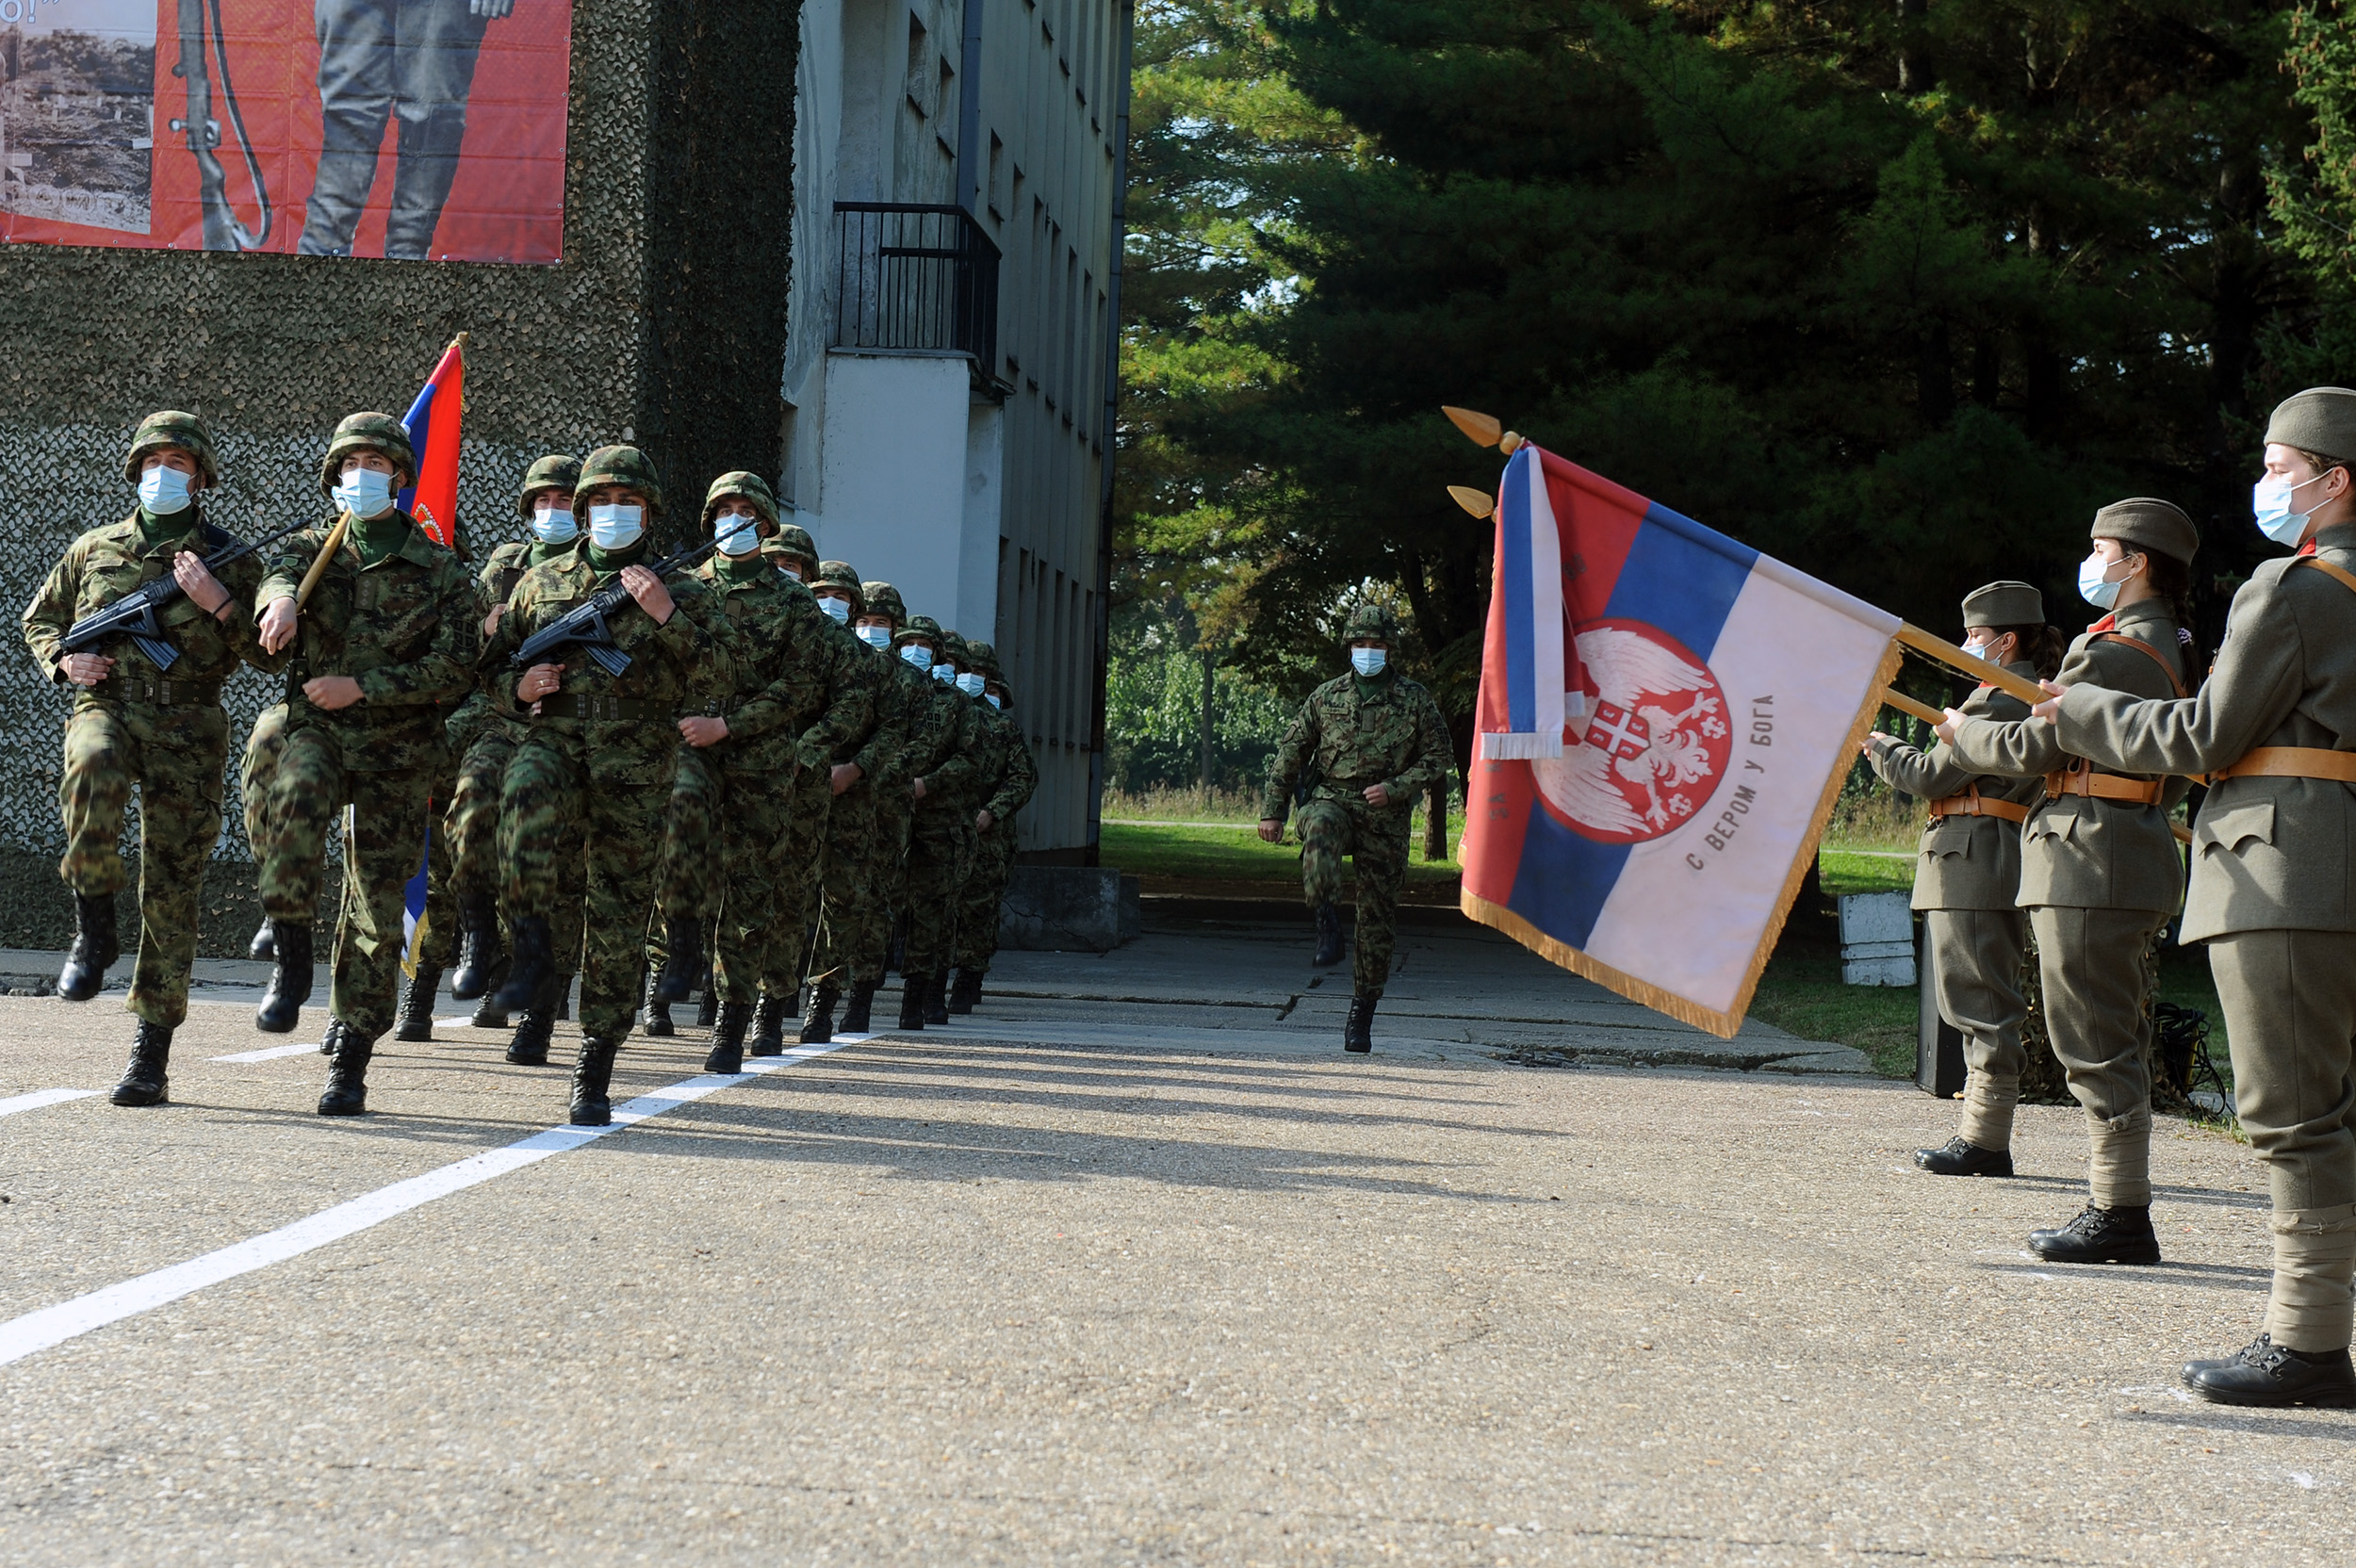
(1972, 804)
(2081, 779)
(160, 692)
(2292, 762)
(609, 709)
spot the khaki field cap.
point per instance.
(556, 471)
(2149, 525)
(171, 428)
(626, 466)
(744, 487)
(375, 433)
(881, 598)
(2321, 419)
(2005, 603)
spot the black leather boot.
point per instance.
(818, 1019)
(289, 982)
(1358, 1029)
(328, 1035)
(264, 947)
(727, 1037)
(911, 1002)
(144, 1082)
(768, 1038)
(530, 1045)
(856, 1011)
(593, 1075)
(708, 1008)
(414, 1020)
(655, 1013)
(479, 953)
(1958, 1156)
(488, 1014)
(2100, 1235)
(965, 995)
(2265, 1372)
(936, 997)
(683, 940)
(534, 965)
(95, 947)
(348, 1073)
(1328, 951)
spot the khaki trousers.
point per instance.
(2091, 970)
(1975, 964)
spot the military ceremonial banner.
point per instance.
(1665, 717)
(432, 426)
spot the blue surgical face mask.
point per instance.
(994, 699)
(877, 637)
(945, 673)
(1368, 661)
(553, 524)
(791, 570)
(838, 608)
(971, 684)
(164, 491)
(614, 527)
(738, 536)
(2091, 586)
(918, 655)
(365, 493)
(2270, 502)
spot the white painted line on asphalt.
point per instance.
(39, 1097)
(38, 1331)
(270, 1052)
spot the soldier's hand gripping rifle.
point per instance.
(584, 624)
(135, 614)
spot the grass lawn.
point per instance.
(1170, 858)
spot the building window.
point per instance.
(997, 169)
(919, 84)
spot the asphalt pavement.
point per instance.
(1134, 1266)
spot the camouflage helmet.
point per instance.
(556, 471)
(171, 428)
(955, 645)
(837, 574)
(1371, 620)
(744, 486)
(624, 466)
(982, 657)
(372, 432)
(793, 540)
(919, 626)
(881, 598)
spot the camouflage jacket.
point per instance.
(825, 691)
(769, 689)
(1352, 733)
(505, 566)
(903, 699)
(946, 749)
(108, 563)
(405, 629)
(1013, 778)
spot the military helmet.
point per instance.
(881, 598)
(919, 626)
(793, 540)
(983, 656)
(171, 427)
(1371, 620)
(374, 433)
(556, 471)
(837, 574)
(624, 466)
(746, 486)
(956, 647)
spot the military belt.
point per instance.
(2080, 779)
(159, 691)
(2292, 762)
(1972, 804)
(611, 709)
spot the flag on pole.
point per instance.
(433, 425)
(1665, 719)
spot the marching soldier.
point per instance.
(136, 724)
(1006, 788)
(2099, 869)
(1372, 741)
(944, 762)
(1967, 883)
(386, 639)
(600, 756)
(2275, 726)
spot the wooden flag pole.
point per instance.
(1979, 669)
(1905, 704)
(327, 553)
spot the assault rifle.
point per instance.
(585, 625)
(134, 615)
(223, 229)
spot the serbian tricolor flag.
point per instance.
(1666, 717)
(432, 423)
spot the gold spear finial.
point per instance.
(1475, 502)
(1484, 430)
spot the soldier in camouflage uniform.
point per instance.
(263, 744)
(136, 725)
(867, 828)
(943, 765)
(599, 753)
(1370, 742)
(1007, 786)
(386, 640)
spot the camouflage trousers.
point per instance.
(473, 818)
(940, 854)
(595, 796)
(773, 832)
(1375, 839)
(254, 771)
(384, 841)
(985, 889)
(174, 755)
(864, 860)
(688, 890)
(437, 936)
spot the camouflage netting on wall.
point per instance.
(663, 325)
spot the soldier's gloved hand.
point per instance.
(703, 730)
(1272, 829)
(278, 624)
(844, 776)
(86, 669)
(490, 10)
(331, 693)
(197, 580)
(648, 591)
(984, 821)
(1376, 794)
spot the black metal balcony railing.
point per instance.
(912, 275)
